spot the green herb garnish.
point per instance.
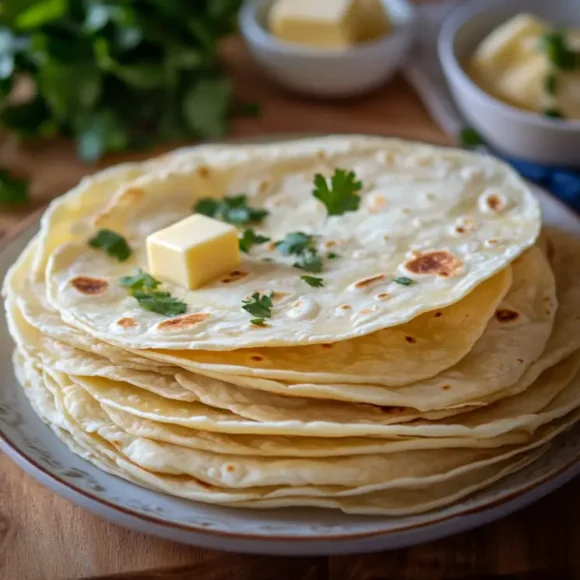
(310, 261)
(470, 138)
(295, 243)
(313, 281)
(114, 244)
(114, 74)
(250, 238)
(160, 302)
(342, 195)
(139, 281)
(553, 113)
(259, 306)
(403, 280)
(332, 255)
(551, 83)
(258, 321)
(558, 52)
(13, 191)
(234, 210)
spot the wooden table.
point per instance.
(44, 537)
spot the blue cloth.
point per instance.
(561, 182)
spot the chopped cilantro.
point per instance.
(13, 191)
(403, 280)
(310, 261)
(160, 302)
(258, 305)
(234, 210)
(295, 243)
(313, 281)
(139, 281)
(111, 242)
(250, 238)
(551, 83)
(342, 195)
(470, 138)
(332, 255)
(553, 113)
(558, 52)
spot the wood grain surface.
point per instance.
(44, 537)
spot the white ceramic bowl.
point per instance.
(510, 130)
(328, 73)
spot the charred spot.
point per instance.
(494, 202)
(411, 339)
(126, 322)
(257, 357)
(90, 286)
(438, 314)
(460, 229)
(234, 276)
(446, 387)
(203, 171)
(326, 345)
(392, 410)
(521, 360)
(345, 307)
(368, 281)
(506, 315)
(230, 468)
(382, 296)
(438, 262)
(330, 244)
(183, 321)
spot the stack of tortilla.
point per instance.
(439, 354)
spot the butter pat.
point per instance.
(320, 23)
(193, 252)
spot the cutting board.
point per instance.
(44, 537)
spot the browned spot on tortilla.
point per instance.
(368, 281)
(257, 357)
(203, 171)
(234, 276)
(272, 246)
(126, 322)
(90, 286)
(326, 345)
(521, 360)
(345, 307)
(321, 155)
(446, 387)
(438, 314)
(505, 315)
(392, 410)
(460, 229)
(494, 202)
(230, 468)
(277, 295)
(411, 339)
(382, 296)
(330, 243)
(492, 241)
(439, 262)
(183, 321)
(264, 186)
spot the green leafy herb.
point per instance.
(141, 281)
(111, 242)
(332, 255)
(403, 280)
(295, 243)
(250, 238)
(553, 113)
(258, 321)
(551, 83)
(259, 306)
(313, 281)
(117, 74)
(13, 191)
(234, 210)
(310, 261)
(558, 52)
(470, 138)
(160, 302)
(341, 196)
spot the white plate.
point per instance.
(36, 449)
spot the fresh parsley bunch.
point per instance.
(116, 74)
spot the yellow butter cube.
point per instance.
(193, 252)
(320, 23)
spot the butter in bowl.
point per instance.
(328, 48)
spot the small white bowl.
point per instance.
(510, 130)
(328, 73)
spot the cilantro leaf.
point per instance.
(295, 243)
(558, 52)
(13, 191)
(470, 138)
(332, 255)
(234, 210)
(403, 280)
(553, 113)
(258, 321)
(160, 302)
(258, 305)
(313, 281)
(250, 238)
(551, 83)
(206, 106)
(139, 281)
(342, 195)
(309, 261)
(111, 242)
